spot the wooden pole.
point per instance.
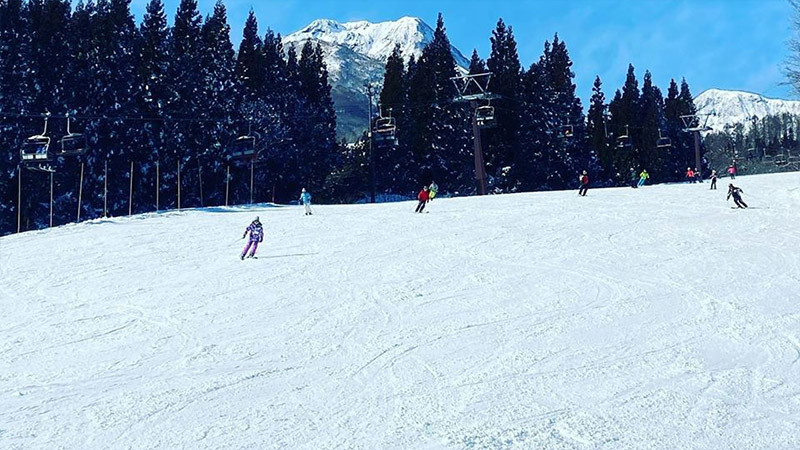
(130, 193)
(80, 193)
(19, 199)
(200, 179)
(105, 190)
(227, 183)
(179, 184)
(158, 179)
(51, 199)
(252, 165)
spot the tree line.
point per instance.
(159, 96)
(760, 145)
(169, 101)
(528, 149)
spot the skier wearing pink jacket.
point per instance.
(256, 236)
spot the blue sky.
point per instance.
(728, 44)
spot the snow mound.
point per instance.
(653, 318)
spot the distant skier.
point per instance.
(423, 198)
(584, 179)
(713, 180)
(690, 175)
(736, 193)
(698, 175)
(732, 171)
(643, 177)
(305, 200)
(433, 190)
(256, 236)
(634, 179)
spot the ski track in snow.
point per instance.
(655, 318)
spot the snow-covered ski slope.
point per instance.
(657, 318)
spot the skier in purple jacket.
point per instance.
(256, 236)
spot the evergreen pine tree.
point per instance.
(154, 72)
(476, 64)
(596, 129)
(441, 143)
(625, 112)
(187, 76)
(572, 152)
(535, 136)
(314, 132)
(650, 123)
(220, 91)
(249, 60)
(14, 89)
(502, 142)
(394, 163)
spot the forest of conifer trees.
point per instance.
(155, 98)
(528, 149)
(162, 104)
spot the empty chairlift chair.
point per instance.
(624, 140)
(385, 131)
(663, 142)
(36, 148)
(484, 116)
(243, 147)
(72, 144)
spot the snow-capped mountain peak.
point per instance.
(732, 107)
(356, 52)
(375, 40)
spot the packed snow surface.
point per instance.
(653, 318)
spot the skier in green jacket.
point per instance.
(643, 177)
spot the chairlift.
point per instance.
(385, 131)
(243, 147)
(72, 144)
(567, 131)
(692, 123)
(663, 142)
(624, 140)
(36, 148)
(484, 116)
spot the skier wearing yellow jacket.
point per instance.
(433, 189)
(643, 177)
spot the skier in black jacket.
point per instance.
(736, 193)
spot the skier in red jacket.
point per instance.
(690, 178)
(584, 179)
(423, 197)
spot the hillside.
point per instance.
(655, 318)
(355, 53)
(732, 107)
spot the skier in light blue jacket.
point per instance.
(305, 200)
